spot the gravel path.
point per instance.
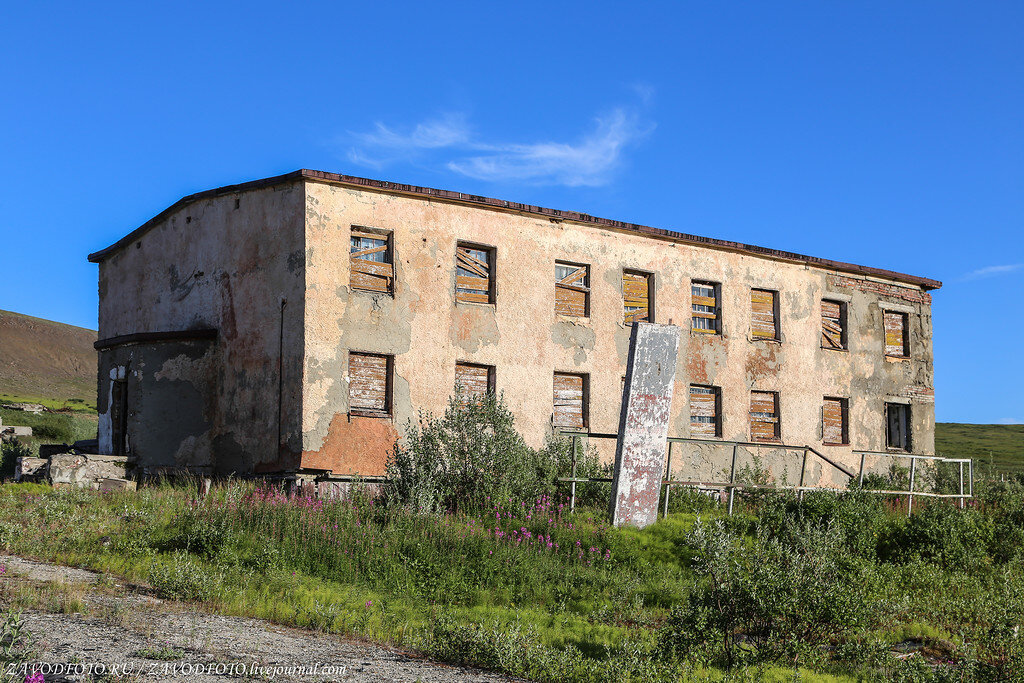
(120, 623)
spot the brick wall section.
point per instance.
(912, 295)
(919, 394)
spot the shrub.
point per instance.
(767, 602)
(940, 534)
(10, 451)
(471, 454)
(182, 578)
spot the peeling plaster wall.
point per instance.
(225, 262)
(428, 332)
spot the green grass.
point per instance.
(1001, 446)
(78, 405)
(589, 606)
(52, 427)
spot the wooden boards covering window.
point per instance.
(833, 421)
(472, 381)
(368, 385)
(704, 420)
(763, 324)
(636, 293)
(371, 267)
(832, 336)
(570, 401)
(572, 289)
(704, 302)
(473, 274)
(895, 334)
(764, 416)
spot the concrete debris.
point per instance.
(84, 470)
(11, 431)
(30, 469)
(27, 407)
(108, 485)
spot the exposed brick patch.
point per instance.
(882, 289)
(919, 394)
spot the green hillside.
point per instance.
(42, 361)
(1002, 445)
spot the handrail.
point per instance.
(732, 486)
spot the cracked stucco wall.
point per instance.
(225, 263)
(428, 332)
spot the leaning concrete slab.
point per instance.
(643, 424)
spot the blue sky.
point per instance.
(887, 134)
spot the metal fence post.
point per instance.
(860, 481)
(970, 474)
(910, 498)
(961, 499)
(803, 472)
(668, 478)
(732, 478)
(572, 487)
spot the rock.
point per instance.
(30, 469)
(110, 484)
(78, 469)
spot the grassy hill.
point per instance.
(46, 362)
(1002, 445)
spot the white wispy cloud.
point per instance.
(1009, 421)
(449, 142)
(992, 271)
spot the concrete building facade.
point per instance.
(293, 325)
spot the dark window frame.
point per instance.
(588, 287)
(492, 270)
(388, 237)
(717, 391)
(649, 275)
(906, 429)
(585, 397)
(845, 417)
(716, 288)
(389, 370)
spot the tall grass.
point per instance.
(587, 600)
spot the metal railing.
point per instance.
(732, 485)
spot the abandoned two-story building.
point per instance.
(292, 325)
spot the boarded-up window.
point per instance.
(764, 416)
(833, 421)
(369, 386)
(704, 301)
(636, 293)
(897, 426)
(570, 401)
(371, 262)
(474, 276)
(572, 289)
(705, 411)
(896, 334)
(472, 381)
(833, 324)
(763, 321)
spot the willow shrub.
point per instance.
(469, 457)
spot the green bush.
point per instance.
(766, 601)
(940, 534)
(182, 578)
(10, 451)
(468, 458)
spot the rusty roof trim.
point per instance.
(529, 209)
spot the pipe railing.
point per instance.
(732, 486)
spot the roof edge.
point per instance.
(529, 209)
